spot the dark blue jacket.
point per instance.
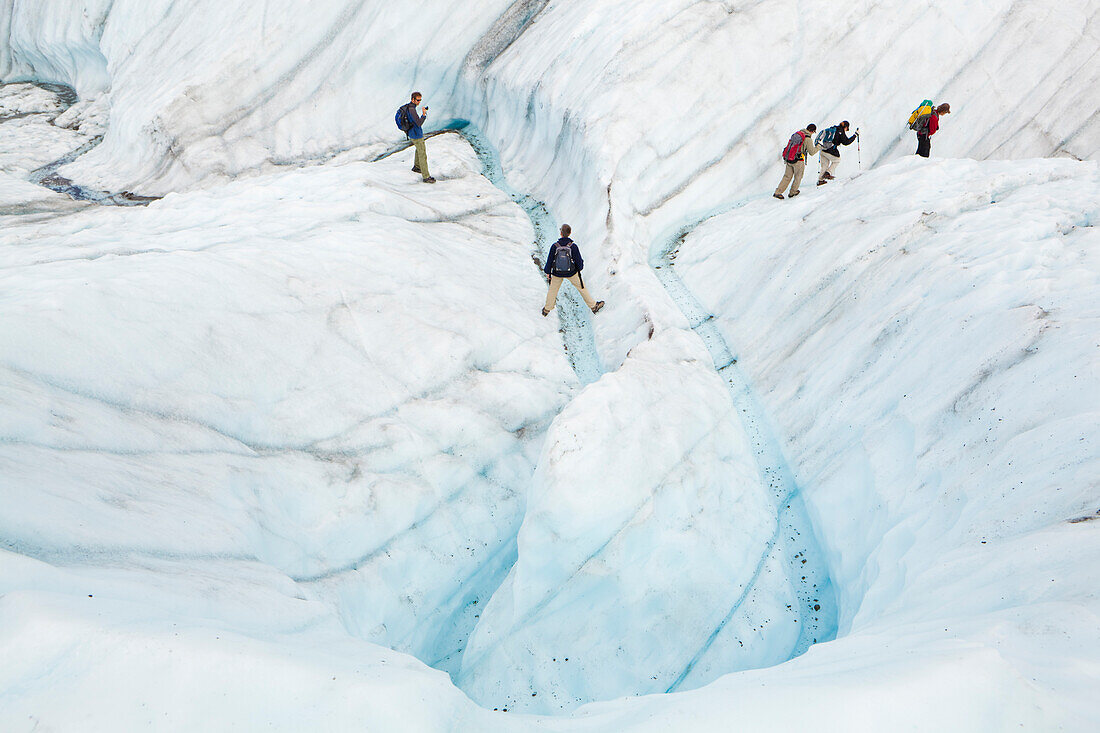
(416, 131)
(578, 263)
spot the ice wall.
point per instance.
(709, 89)
(213, 89)
(57, 42)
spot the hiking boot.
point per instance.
(792, 194)
(821, 182)
(778, 196)
(429, 179)
(545, 312)
(830, 176)
(596, 308)
(416, 169)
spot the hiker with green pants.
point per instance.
(410, 121)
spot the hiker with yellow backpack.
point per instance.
(924, 121)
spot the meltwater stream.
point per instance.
(47, 175)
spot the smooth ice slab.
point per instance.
(646, 524)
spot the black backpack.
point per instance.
(561, 261)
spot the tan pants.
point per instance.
(421, 159)
(555, 284)
(828, 164)
(792, 170)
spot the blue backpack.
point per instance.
(825, 137)
(561, 263)
(402, 119)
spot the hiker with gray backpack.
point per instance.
(924, 121)
(828, 140)
(409, 121)
(563, 262)
(798, 148)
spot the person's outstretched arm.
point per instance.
(577, 257)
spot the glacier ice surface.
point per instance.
(284, 418)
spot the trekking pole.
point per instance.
(859, 158)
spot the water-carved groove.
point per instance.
(794, 532)
(47, 175)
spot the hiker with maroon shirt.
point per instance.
(927, 130)
(563, 262)
(800, 147)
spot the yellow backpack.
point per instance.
(924, 110)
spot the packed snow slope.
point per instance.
(285, 418)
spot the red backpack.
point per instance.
(793, 152)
